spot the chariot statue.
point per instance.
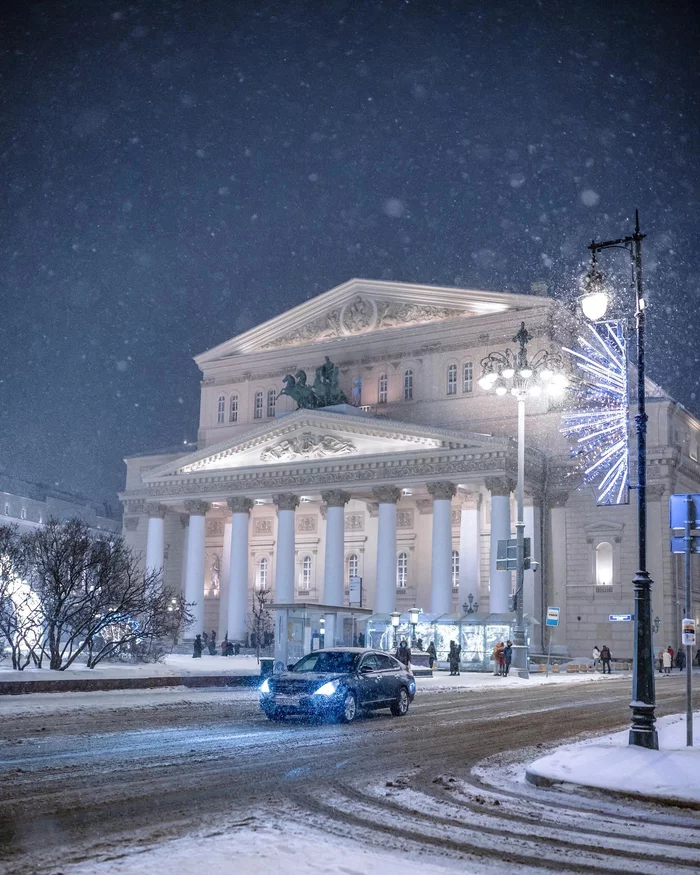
(325, 391)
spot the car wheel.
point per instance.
(349, 710)
(400, 706)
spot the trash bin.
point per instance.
(266, 667)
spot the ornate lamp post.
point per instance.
(509, 371)
(413, 616)
(395, 620)
(470, 606)
(594, 304)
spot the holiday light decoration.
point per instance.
(601, 422)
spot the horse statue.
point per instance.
(295, 388)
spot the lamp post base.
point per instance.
(520, 661)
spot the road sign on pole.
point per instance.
(684, 510)
(620, 618)
(688, 632)
(552, 616)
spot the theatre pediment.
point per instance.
(359, 307)
(321, 436)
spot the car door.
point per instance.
(370, 680)
(391, 672)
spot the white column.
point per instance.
(441, 563)
(385, 600)
(155, 539)
(469, 548)
(194, 579)
(334, 560)
(237, 603)
(224, 588)
(532, 583)
(185, 523)
(284, 567)
(557, 570)
(499, 581)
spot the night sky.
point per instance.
(176, 172)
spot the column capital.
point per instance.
(387, 494)
(441, 490)
(533, 498)
(655, 491)
(134, 505)
(131, 523)
(184, 520)
(286, 501)
(502, 486)
(470, 498)
(335, 498)
(558, 499)
(197, 508)
(157, 511)
(239, 504)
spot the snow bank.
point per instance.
(670, 774)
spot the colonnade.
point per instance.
(234, 590)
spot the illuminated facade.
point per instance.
(409, 487)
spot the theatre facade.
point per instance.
(404, 480)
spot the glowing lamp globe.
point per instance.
(594, 305)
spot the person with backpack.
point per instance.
(605, 657)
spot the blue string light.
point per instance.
(600, 424)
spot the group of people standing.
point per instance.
(502, 658)
(602, 655)
(667, 659)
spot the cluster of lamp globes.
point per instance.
(529, 380)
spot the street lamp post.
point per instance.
(413, 616)
(594, 304)
(501, 372)
(395, 620)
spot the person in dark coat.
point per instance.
(403, 653)
(454, 655)
(432, 655)
(198, 647)
(212, 643)
(605, 657)
(680, 659)
(508, 656)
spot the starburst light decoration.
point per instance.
(600, 424)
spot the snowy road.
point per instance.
(95, 785)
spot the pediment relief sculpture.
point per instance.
(360, 315)
(307, 446)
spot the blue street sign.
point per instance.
(678, 510)
(552, 617)
(620, 618)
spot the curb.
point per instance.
(555, 784)
(90, 685)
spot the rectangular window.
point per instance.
(468, 377)
(258, 406)
(221, 410)
(408, 386)
(233, 413)
(383, 389)
(271, 401)
(452, 380)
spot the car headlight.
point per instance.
(327, 689)
(265, 686)
(412, 687)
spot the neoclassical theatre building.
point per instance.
(407, 483)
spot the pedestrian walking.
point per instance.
(454, 654)
(680, 659)
(508, 656)
(668, 661)
(403, 653)
(605, 657)
(432, 655)
(596, 657)
(212, 643)
(197, 648)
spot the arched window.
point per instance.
(468, 377)
(452, 380)
(383, 389)
(261, 576)
(455, 569)
(221, 409)
(233, 409)
(408, 385)
(401, 570)
(271, 401)
(353, 565)
(305, 575)
(604, 564)
(258, 405)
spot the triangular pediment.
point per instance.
(359, 307)
(315, 436)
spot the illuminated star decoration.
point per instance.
(600, 424)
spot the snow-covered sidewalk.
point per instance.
(670, 774)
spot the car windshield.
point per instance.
(333, 661)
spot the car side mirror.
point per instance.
(290, 666)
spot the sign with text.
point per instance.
(552, 616)
(620, 618)
(355, 592)
(688, 632)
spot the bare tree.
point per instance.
(94, 598)
(20, 615)
(260, 621)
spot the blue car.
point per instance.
(339, 684)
